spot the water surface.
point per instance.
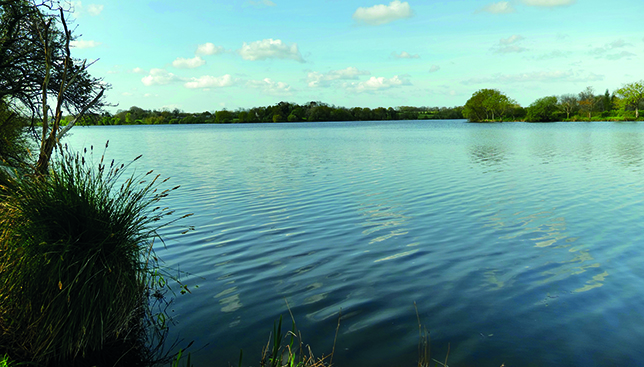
(520, 243)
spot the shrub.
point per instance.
(543, 110)
(76, 257)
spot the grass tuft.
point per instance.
(76, 259)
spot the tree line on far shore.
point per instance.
(485, 105)
(491, 105)
(281, 112)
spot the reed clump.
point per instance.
(77, 265)
(288, 349)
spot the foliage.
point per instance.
(38, 74)
(14, 147)
(543, 110)
(633, 95)
(223, 116)
(607, 101)
(588, 100)
(569, 103)
(27, 63)
(293, 354)
(281, 112)
(177, 360)
(288, 350)
(77, 263)
(487, 104)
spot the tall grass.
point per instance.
(76, 258)
(280, 353)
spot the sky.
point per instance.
(209, 55)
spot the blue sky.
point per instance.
(201, 55)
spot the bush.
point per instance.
(543, 110)
(76, 258)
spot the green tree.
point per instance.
(243, 116)
(543, 110)
(223, 116)
(379, 113)
(341, 114)
(363, 114)
(632, 95)
(320, 113)
(296, 115)
(588, 100)
(37, 73)
(568, 103)
(487, 104)
(607, 102)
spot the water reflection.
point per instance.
(384, 221)
(546, 145)
(628, 148)
(487, 147)
(229, 300)
(487, 155)
(545, 230)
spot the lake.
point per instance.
(520, 243)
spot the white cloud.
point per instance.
(270, 48)
(603, 51)
(377, 83)
(208, 49)
(208, 81)
(538, 76)
(617, 44)
(509, 45)
(261, 3)
(95, 9)
(548, 3)
(512, 39)
(554, 55)
(182, 63)
(405, 55)
(159, 77)
(271, 87)
(510, 49)
(84, 44)
(126, 94)
(434, 68)
(138, 70)
(620, 55)
(383, 14)
(79, 9)
(502, 7)
(315, 79)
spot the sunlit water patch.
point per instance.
(520, 243)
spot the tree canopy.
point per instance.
(632, 94)
(38, 76)
(543, 110)
(487, 104)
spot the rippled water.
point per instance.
(520, 243)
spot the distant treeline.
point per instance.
(492, 105)
(281, 112)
